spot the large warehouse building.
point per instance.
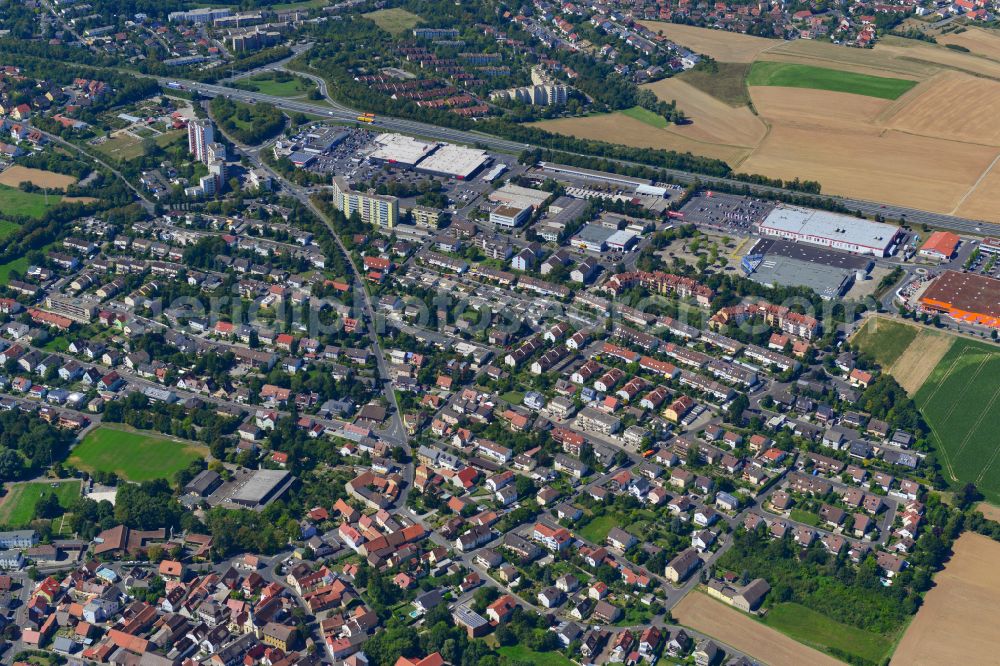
(833, 230)
(454, 162)
(401, 150)
(262, 487)
(966, 297)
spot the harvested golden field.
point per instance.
(898, 168)
(15, 175)
(719, 44)
(985, 43)
(934, 55)
(876, 61)
(801, 106)
(956, 623)
(619, 128)
(704, 614)
(982, 201)
(991, 511)
(953, 105)
(915, 365)
(712, 121)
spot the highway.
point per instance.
(339, 112)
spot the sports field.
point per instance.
(133, 455)
(394, 20)
(17, 508)
(956, 623)
(960, 401)
(124, 147)
(791, 75)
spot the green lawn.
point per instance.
(20, 264)
(811, 628)
(961, 403)
(646, 116)
(394, 20)
(7, 228)
(267, 84)
(596, 531)
(512, 397)
(726, 83)
(807, 517)
(133, 455)
(29, 204)
(57, 344)
(885, 340)
(793, 75)
(526, 655)
(18, 507)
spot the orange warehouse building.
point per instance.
(940, 245)
(965, 297)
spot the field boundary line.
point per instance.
(982, 415)
(965, 389)
(996, 451)
(976, 184)
(946, 375)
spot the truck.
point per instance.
(174, 85)
(366, 118)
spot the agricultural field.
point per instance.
(816, 630)
(791, 75)
(17, 174)
(621, 128)
(17, 508)
(960, 401)
(394, 20)
(725, 82)
(646, 116)
(133, 455)
(907, 122)
(955, 624)
(719, 44)
(726, 624)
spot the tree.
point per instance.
(967, 496)
(48, 506)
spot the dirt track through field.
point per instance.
(956, 624)
(730, 626)
(915, 365)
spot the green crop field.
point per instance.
(791, 75)
(28, 204)
(394, 20)
(885, 340)
(18, 507)
(7, 228)
(815, 630)
(646, 116)
(961, 403)
(133, 455)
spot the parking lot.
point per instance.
(726, 211)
